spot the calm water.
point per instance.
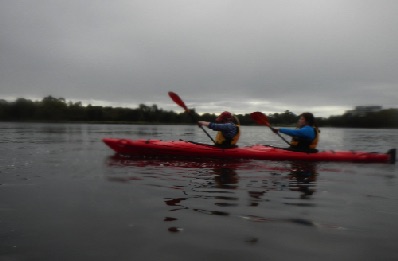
(64, 195)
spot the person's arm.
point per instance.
(218, 126)
(204, 123)
(305, 132)
(221, 126)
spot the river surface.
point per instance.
(64, 195)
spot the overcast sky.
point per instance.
(324, 56)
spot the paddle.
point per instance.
(261, 119)
(180, 103)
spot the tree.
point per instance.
(53, 109)
(24, 109)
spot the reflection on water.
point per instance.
(302, 178)
(214, 187)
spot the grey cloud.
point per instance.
(216, 54)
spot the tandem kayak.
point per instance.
(159, 148)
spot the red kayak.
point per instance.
(258, 152)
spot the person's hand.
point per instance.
(203, 123)
(276, 131)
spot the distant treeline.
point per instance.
(52, 109)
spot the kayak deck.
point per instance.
(256, 152)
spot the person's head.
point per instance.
(306, 118)
(226, 116)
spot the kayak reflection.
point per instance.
(122, 160)
(214, 187)
(265, 176)
(302, 178)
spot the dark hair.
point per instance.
(309, 118)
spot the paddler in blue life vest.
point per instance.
(306, 136)
(227, 126)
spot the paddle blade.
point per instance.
(178, 100)
(260, 118)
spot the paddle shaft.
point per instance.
(261, 119)
(200, 126)
(181, 103)
(277, 133)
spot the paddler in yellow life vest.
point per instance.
(228, 129)
(306, 136)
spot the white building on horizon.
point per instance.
(363, 110)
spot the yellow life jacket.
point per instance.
(222, 141)
(303, 144)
